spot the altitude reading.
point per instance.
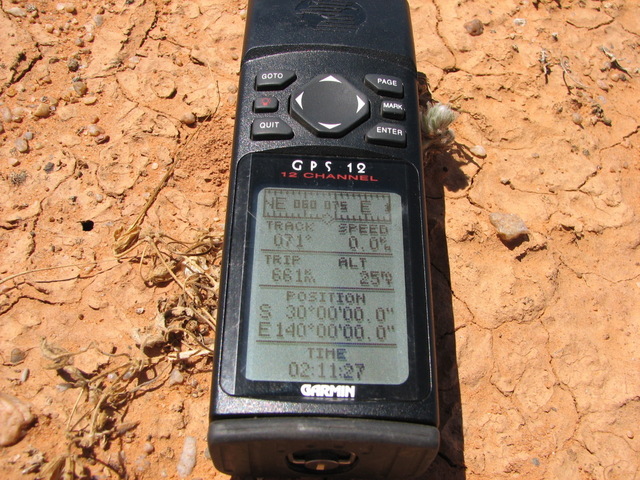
(328, 301)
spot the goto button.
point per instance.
(274, 79)
(270, 128)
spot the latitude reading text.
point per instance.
(328, 301)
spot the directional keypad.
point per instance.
(329, 106)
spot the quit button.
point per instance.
(270, 128)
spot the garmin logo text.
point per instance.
(328, 391)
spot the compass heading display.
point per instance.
(328, 294)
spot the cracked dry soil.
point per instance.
(112, 107)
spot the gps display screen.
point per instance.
(327, 301)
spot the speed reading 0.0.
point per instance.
(328, 289)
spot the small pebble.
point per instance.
(577, 118)
(18, 114)
(154, 166)
(15, 418)
(42, 111)
(22, 145)
(505, 181)
(27, 136)
(48, 168)
(175, 378)
(94, 130)
(17, 356)
(479, 151)
(5, 112)
(17, 12)
(73, 65)
(102, 138)
(140, 310)
(99, 197)
(80, 88)
(148, 448)
(508, 225)
(188, 119)
(603, 85)
(89, 100)
(519, 22)
(188, 457)
(14, 162)
(24, 376)
(89, 37)
(630, 434)
(474, 27)
(98, 20)
(48, 28)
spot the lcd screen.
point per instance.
(327, 301)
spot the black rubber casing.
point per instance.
(253, 435)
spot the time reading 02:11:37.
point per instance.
(328, 276)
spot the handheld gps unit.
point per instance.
(325, 362)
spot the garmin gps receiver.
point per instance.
(325, 362)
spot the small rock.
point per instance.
(17, 356)
(474, 27)
(22, 145)
(94, 130)
(42, 111)
(98, 20)
(48, 28)
(27, 136)
(188, 119)
(102, 138)
(66, 112)
(140, 310)
(48, 168)
(90, 100)
(5, 113)
(18, 114)
(479, 151)
(188, 457)
(15, 419)
(508, 225)
(148, 448)
(89, 37)
(14, 162)
(577, 118)
(603, 85)
(73, 65)
(165, 88)
(17, 12)
(80, 88)
(1, 128)
(175, 378)
(519, 22)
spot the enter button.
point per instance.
(387, 134)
